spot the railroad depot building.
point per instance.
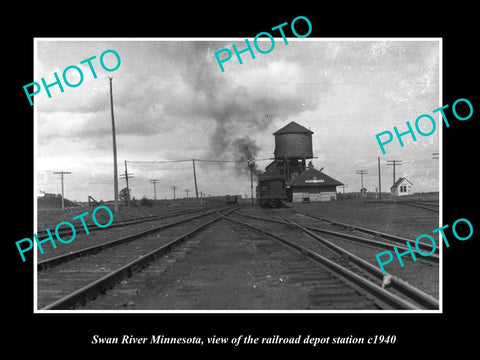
(312, 185)
(402, 187)
(293, 147)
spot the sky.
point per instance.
(172, 102)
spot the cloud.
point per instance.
(240, 108)
(171, 101)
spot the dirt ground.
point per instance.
(388, 217)
(230, 267)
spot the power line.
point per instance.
(115, 175)
(361, 173)
(394, 163)
(195, 179)
(156, 161)
(61, 173)
(221, 161)
(126, 176)
(251, 165)
(201, 160)
(379, 180)
(274, 83)
(174, 188)
(157, 79)
(154, 182)
(183, 160)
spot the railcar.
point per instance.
(271, 191)
(232, 199)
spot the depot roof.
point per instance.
(314, 177)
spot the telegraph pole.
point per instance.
(126, 176)
(394, 163)
(195, 179)
(174, 188)
(362, 172)
(115, 175)
(154, 182)
(61, 173)
(379, 182)
(187, 190)
(251, 165)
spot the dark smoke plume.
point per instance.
(237, 111)
(245, 149)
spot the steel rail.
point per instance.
(57, 260)
(411, 292)
(80, 229)
(98, 286)
(432, 258)
(379, 293)
(376, 233)
(421, 206)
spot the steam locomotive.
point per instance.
(231, 199)
(271, 191)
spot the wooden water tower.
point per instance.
(293, 146)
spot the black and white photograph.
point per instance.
(260, 187)
(297, 181)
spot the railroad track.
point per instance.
(42, 234)
(423, 274)
(232, 266)
(387, 242)
(389, 291)
(421, 205)
(70, 280)
(120, 269)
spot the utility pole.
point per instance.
(362, 172)
(187, 190)
(195, 179)
(174, 188)
(61, 173)
(126, 176)
(394, 163)
(115, 175)
(251, 165)
(379, 182)
(154, 182)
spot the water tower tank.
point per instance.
(293, 141)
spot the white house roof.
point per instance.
(400, 181)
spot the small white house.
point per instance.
(402, 186)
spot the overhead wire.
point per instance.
(182, 160)
(188, 160)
